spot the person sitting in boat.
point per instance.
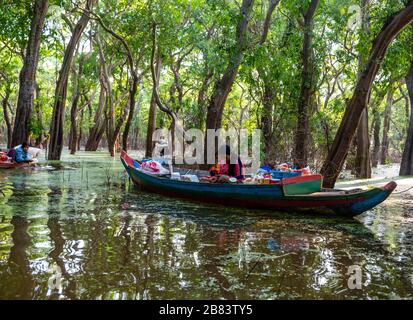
(223, 172)
(22, 154)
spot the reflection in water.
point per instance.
(19, 264)
(58, 243)
(116, 242)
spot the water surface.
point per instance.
(82, 231)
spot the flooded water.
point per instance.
(82, 231)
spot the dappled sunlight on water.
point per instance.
(109, 240)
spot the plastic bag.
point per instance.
(153, 167)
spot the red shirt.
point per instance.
(238, 170)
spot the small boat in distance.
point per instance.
(303, 193)
(12, 165)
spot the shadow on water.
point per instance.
(82, 232)
(230, 217)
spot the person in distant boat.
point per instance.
(22, 154)
(224, 171)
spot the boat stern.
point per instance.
(381, 194)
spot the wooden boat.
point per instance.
(12, 165)
(302, 193)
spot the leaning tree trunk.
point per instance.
(28, 75)
(56, 128)
(152, 112)
(406, 168)
(345, 134)
(386, 128)
(307, 89)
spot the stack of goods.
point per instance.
(285, 170)
(189, 177)
(263, 176)
(269, 175)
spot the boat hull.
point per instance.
(12, 165)
(261, 196)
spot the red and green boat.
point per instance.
(303, 193)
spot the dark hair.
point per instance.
(231, 167)
(25, 144)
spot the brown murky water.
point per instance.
(83, 232)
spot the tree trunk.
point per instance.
(386, 127)
(6, 115)
(152, 112)
(376, 137)
(376, 127)
(223, 85)
(74, 109)
(56, 129)
(202, 98)
(155, 80)
(28, 75)
(266, 121)
(98, 129)
(112, 127)
(272, 4)
(362, 164)
(38, 107)
(345, 134)
(112, 131)
(109, 106)
(79, 140)
(268, 101)
(132, 102)
(406, 168)
(307, 89)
